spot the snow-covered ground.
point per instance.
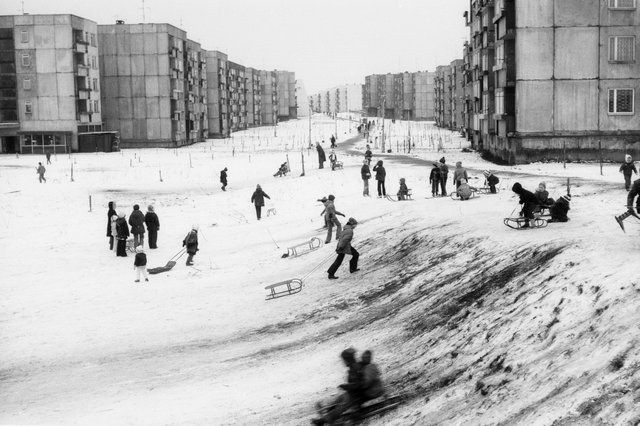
(470, 321)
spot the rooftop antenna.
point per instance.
(143, 17)
(22, 6)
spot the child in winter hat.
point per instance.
(140, 264)
(627, 169)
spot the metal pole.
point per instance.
(564, 150)
(600, 151)
(302, 155)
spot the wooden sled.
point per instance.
(454, 195)
(368, 409)
(407, 197)
(519, 222)
(486, 190)
(313, 244)
(284, 288)
(170, 264)
(271, 211)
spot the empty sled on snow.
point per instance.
(170, 264)
(284, 288)
(303, 248)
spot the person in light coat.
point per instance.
(344, 247)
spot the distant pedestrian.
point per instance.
(459, 173)
(333, 159)
(344, 247)
(627, 169)
(365, 173)
(136, 220)
(153, 226)
(381, 175)
(321, 157)
(333, 141)
(434, 180)
(444, 174)
(140, 264)
(40, 170)
(122, 234)
(368, 154)
(110, 214)
(191, 244)
(258, 199)
(48, 155)
(223, 178)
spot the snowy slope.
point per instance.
(472, 322)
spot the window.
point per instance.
(95, 84)
(93, 63)
(93, 40)
(26, 60)
(622, 49)
(26, 84)
(622, 4)
(24, 36)
(28, 107)
(95, 106)
(621, 101)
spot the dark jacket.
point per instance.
(136, 220)
(321, 155)
(444, 170)
(110, 214)
(368, 154)
(191, 242)
(258, 197)
(151, 219)
(344, 242)
(354, 379)
(434, 176)
(381, 173)
(365, 172)
(559, 210)
(633, 192)
(122, 229)
(223, 176)
(493, 179)
(140, 260)
(628, 168)
(525, 196)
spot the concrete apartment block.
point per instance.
(286, 92)
(269, 88)
(49, 83)
(423, 95)
(566, 74)
(153, 85)
(237, 96)
(217, 94)
(253, 98)
(407, 96)
(345, 98)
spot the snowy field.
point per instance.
(470, 321)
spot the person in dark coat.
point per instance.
(40, 170)
(528, 200)
(491, 181)
(344, 247)
(368, 154)
(351, 396)
(371, 382)
(153, 226)
(333, 141)
(559, 209)
(191, 244)
(331, 218)
(365, 173)
(444, 174)
(403, 191)
(110, 214)
(140, 264)
(381, 174)
(136, 220)
(627, 168)
(48, 155)
(633, 193)
(223, 178)
(258, 199)
(321, 157)
(434, 180)
(122, 234)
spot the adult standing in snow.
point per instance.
(40, 170)
(136, 220)
(344, 247)
(122, 233)
(434, 180)
(528, 201)
(258, 199)
(191, 244)
(459, 173)
(110, 214)
(381, 175)
(153, 226)
(48, 155)
(114, 232)
(333, 141)
(444, 174)
(331, 218)
(321, 157)
(365, 172)
(627, 168)
(140, 264)
(223, 178)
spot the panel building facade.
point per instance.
(407, 96)
(555, 78)
(49, 83)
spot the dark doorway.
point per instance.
(10, 144)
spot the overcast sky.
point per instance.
(325, 42)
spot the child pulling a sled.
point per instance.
(633, 193)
